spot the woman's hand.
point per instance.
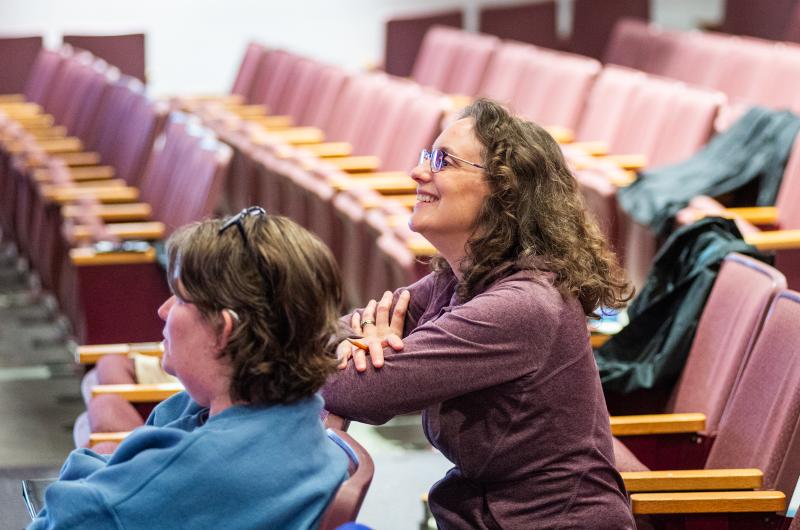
(378, 328)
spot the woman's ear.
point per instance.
(229, 321)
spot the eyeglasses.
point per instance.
(438, 161)
(238, 221)
(238, 218)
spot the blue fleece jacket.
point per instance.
(246, 467)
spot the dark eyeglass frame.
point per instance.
(436, 159)
(238, 221)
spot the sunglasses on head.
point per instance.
(437, 159)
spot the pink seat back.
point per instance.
(87, 116)
(69, 86)
(144, 123)
(469, 65)
(324, 97)
(247, 70)
(636, 134)
(355, 110)
(43, 71)
(593, 22)
(727, 328)
(505, 71)
(789, 192)
(417, 127)
(17, 57)
(629, 43)
(687, 126)
(557, 89)
(404, 36)
(533, 22)
(301, 88)
(607, 103)
(767, 20)
(126, 52)
(761, 424)
(436, 56)
(779, 86)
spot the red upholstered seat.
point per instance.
(722, 345)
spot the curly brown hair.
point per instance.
(534, 216)
(284, 287)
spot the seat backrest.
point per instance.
(354, 110)
(593, 22)
(725, 333)
(646, 111)
(69, 86)
(533, 22)
(113, 111)
(629, 43)
(789, 192)
(86, 116)
(417, 127)
(469, 66)
(126, 52)
(404, 36)
(17, 56)
(144, 123)
(760, 425)
(779, 84)
(607, 103)
(436, 57)
(348, 499)
(247, 70)
(555, 88)
(323, 97)
(43, 71)
(307, 75)
(766, 20)
(382, 133)
(504, 72)
(742, 54)
(688, 125)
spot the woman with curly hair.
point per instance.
(492, 346)
(250, 331)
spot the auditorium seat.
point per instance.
(348, 499)
(725, 333)
(767, 21)
(17, 56)
(533, 23)
(504, 71)
(405, 35)
(759, 430)
(126, 52)
(593, 21)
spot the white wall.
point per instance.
(195, 45)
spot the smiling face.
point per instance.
(448, 202)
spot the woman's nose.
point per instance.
(163, 311)
(421, 172)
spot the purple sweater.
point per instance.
(510, 394)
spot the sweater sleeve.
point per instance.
(498, 336)
(74, 505)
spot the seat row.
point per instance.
(82, 149)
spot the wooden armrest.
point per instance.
(693, 480)
(657, 423)
(299, 135)
(368, 203)
(774, 239)
(47, 132)
(139, 393)
(70, 144)
(136, 230)
(628, 161)
(274, 122)
(397, 175)
(708, 502)
(21, 109)
(459, 101)
(356, 164)
(39, 120)
(389, 185)
(225, 99)
(137, 211)
(84, 158)
(624, 179)
(592, 148)
(757, 215)
(77, 174)
(329, 149)
(247, 111)
(105, 194)
(101, 437)
(11, 98)
(562, 135)
(89, 257)
(91, 353)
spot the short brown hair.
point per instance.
(534, 216)
(284, 286)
